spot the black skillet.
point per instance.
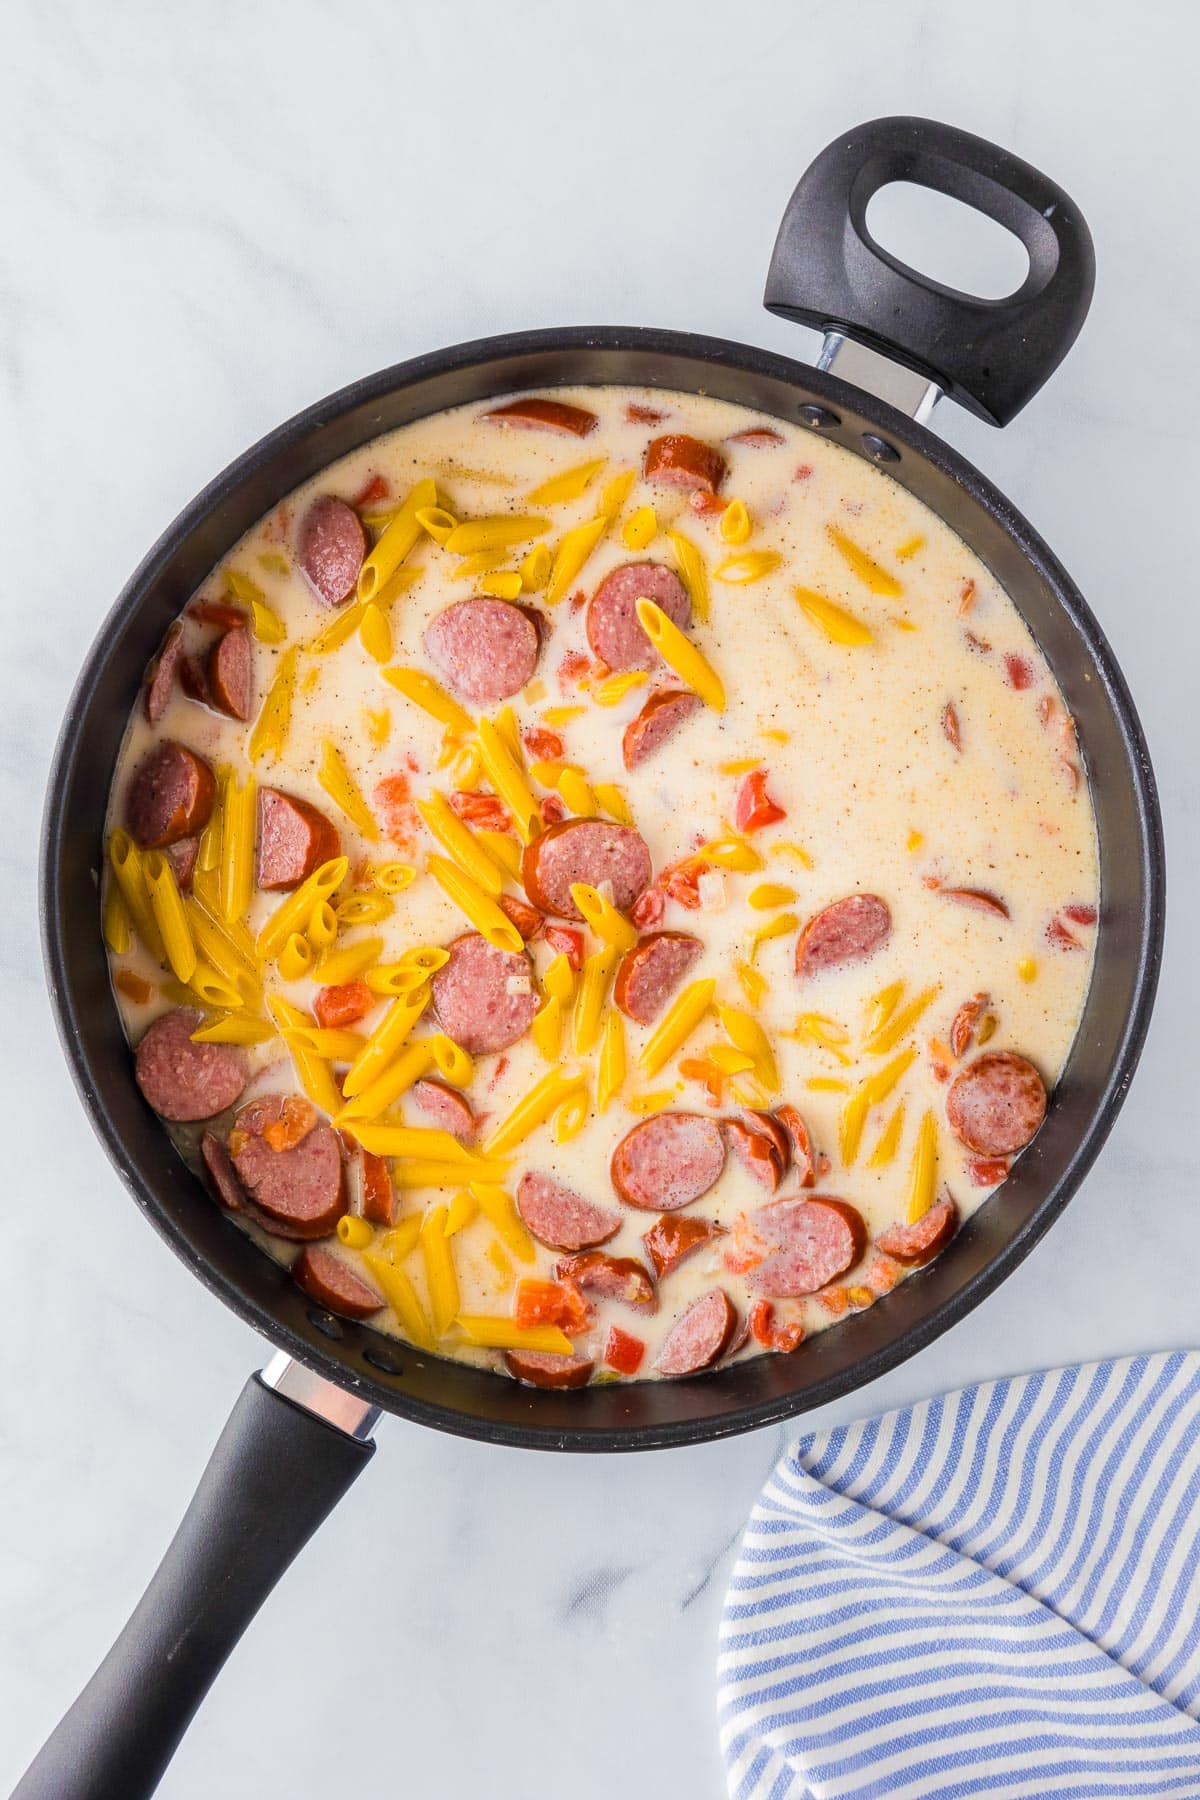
(297, 1438)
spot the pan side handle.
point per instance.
(279, 1467)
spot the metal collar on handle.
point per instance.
(345, 1411)
(889, 381)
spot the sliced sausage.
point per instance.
(684, 462)
(699, 1336)
(674, 1237)
(532, 413)
(761, 1145)
(997, 1104)
(613, 1277)
(170, 796)
(230, 673)
(921, 1242)
(648, 974)
(847, 931)
(447, 1108)
(486, 649)
(376, 1187)
(162, 674)
(182, 857)
(612, 622)
(802, 1149)
(184, 1081)
(541, 1368)
(659, 719)
(484, 997)
(560, 1218)
(590, 850)
(333, 545)
(668, 1161)
(979, 899)
(294, 839)
(300, 1191)
(811, 1242)
(758, 437)
(223, 1177)
(527, 919)
(332, 1283)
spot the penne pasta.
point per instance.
(362, 909)
(479, 907)
(503, 850)
(571, 1117)
(384, 1042)
(268, 627)
(482, 563)
(546, 1029)
(734, 524)
(496, 1205)
(839, 626)
(495, 1333)
(461, 1212)
(413, 1141)
(239, 823)
(864, 566)
(543, 1098)
(462, 844)
(500, 532)
(243, 587)
(375, 632)
(400, 1294)
(680, 654)
(615, 493)
(613, 689)
(750, 566)
(677, 1024)
(574, 548)
(692, 573)
(441, 1279)
(746, 1034)
(611, 1072)
(294, 913)
(731, 853)
(334, 967)
(234, 1028)
(640, 529)
(355, 1233)
(323, 924)
(534, 568)
(344, 791)
(403, 1238)
(453, 1063)
(768, 895)
(573, 786)
(166, 904)
(396, 1077)
(314, 1075)
(507, 777)
(295, 960)
(889, 1140)
(898, 1024)
(275, 714)
(923, 1176)
(596, 974)
(436, 522)
(570, 485)
(117, 924)
(333, 1044)
(603, 917)
(502, 584)
(208, 856)
(125, 860)
(559, 979)
(425, 692)
(434, 1174)
(611, 799)
(396, 541)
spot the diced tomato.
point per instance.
(343, 1004)
(1019, 670)
(133, 987)
(566, 942)
(647, 910)
(698, 1068)
(803, 471)
(375, 489)
(553, 810)
(573, 667)
(542, 745)
(702, 502)
(755, 807)
(483, 811)
(527, 919)
(882, 1274)
(1079, 914)
(397, 814)
(643, 415)
(766, 1330)
(988, 1171)
(218, 612)
(623, 1352)
(296, 1119)
(551, 1303)
(747, 1249)
(835, 1300)
(681, 882)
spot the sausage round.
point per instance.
(541, 1368)
(162, 673)
(921, 1242)
(184, 1081)
(997, 1103)
(560, 1218)
(801, 1143)
(487, 649)
(536, 414)
(612, 622)
(674, 1237)
(699, 1336)
(294, 839)
(376, 1187)
(447, 1108)
(811, 1242)
(761, 1145)
(333, 545)
(170, 796)
(685, 462)
(472, 998)
(223, 1177)
(668, 1161)
(659, 719)
(648, 974)
(589, 850)
(332, 1283)
(230, 673)
(614, 1277)
(846, 931)
(182, 856)
(299, 1191)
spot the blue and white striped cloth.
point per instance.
(994, 1593)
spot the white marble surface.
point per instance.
(213, 215)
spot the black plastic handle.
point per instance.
(274, 1475)
(990, 355)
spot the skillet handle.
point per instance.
(276, 1472)
(990, 355)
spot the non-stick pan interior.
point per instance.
(646, 1414)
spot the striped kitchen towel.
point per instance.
(995, 1593)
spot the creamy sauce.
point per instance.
(856, 742)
